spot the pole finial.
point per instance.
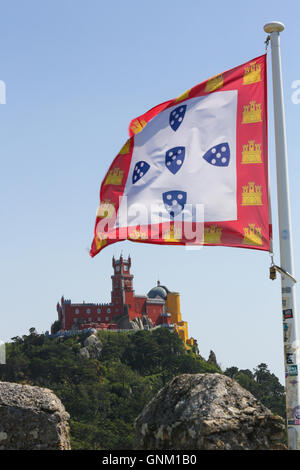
(274, 27)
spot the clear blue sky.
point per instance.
(76, 73)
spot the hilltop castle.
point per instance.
(159, 307)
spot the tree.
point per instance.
(56, 326)
(264, 385)
(231, 372)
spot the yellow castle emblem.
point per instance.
(252, 74)
(137, 235)
(252, 235)
(99, 242)
(212, 234)
(184, 96)
(214, 83)
(106, 209)
(251, 152)
(137, 126)
(173, 235)
(115, 177)
(125, 149)
(252, 113)
(251, 195)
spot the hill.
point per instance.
(104, 395)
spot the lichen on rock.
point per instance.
(32, 418)
(205, 412)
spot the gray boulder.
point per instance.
(143, 323)
(84, 352)
(32, 418)
(92, 347)
(137, 323)
(147, 322)
(205, 412)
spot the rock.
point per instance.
(92, 340)
(147, 322)
(123, 322)
(205, 412)
(84, 352)
(92, 347)
(137, 323)
(32, 418)
(143, 323)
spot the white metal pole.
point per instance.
(290, 334)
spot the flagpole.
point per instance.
(290, 333)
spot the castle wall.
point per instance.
(154, 311)
(140, 305)
(88, 313)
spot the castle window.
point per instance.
(98, 319)
(125, 268)
(88, 310)
(77, 310)
(98, 310)
(106, 318)
(108, 310)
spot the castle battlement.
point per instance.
(138, 125)
(251, 152)
(115, 176)
(251, 195)
(252, 235)
(252, 73)
(214, 83)
(212, 234)
(252, 113)
(125, 149)
(106, 209)
(173, 234)
(138, 235)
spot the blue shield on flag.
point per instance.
(174, 159)
(174, 202)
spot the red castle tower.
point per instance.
(122, 291)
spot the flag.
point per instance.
(194, 169)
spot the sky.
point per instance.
(76, 72)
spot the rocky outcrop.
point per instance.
(141, 323)
(205, 412)
(123, 322)
(32, 418)
(92, 347)
(137, 323)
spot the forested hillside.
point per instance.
(104, 395)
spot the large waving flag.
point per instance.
(195, 169)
